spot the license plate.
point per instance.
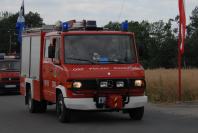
(10, 86)
(101, 100)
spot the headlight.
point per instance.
(139, 83)
(77, 85)
(120, 84)
(103, 84)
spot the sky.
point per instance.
(102, 11)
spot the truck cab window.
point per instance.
(47, 44)
(57, 49)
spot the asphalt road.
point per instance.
(14, 118)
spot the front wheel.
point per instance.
(136, 113)
(63, 114)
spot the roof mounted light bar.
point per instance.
(91, 25)
(82, 25)
(72, 25)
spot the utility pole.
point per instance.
(10, 40)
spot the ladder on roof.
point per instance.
(44, 28)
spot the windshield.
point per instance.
(9, 65)
(99, 49)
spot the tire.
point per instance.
(36, 106)
(63, 114)
(136, 113)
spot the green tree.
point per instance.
(163, 49)
(33, 20)
(7, 29)
(193, 26)
(113, 26)
(142, 37)
(191, 46)
(7, 25)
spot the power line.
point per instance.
(121, 10)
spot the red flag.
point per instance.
(182, 30)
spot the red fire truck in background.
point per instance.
(9, 73)
(78, 66)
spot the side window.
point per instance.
(57, 49)
(47, 44)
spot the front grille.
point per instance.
(95, 84)
(9, 79)
(112, 83)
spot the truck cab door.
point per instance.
(56, 66)
(48, 71)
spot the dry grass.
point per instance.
(162, 85)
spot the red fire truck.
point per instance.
(9, 73)
(78, 66)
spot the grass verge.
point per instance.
(162, 85)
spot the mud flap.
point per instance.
(114, 102)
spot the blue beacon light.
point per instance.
(65, 26)
(125, 26)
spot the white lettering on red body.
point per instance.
(78, 69)
(98, 68)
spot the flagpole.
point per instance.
(179, 75)
(179, 62)
(181, 40)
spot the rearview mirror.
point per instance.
(51, 52)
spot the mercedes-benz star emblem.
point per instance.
(110, 84)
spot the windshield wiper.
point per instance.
(79, 59)
(113, 61)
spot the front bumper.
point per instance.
(89, 104)
(9, 87)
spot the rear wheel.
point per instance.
(63, 114)
(136, 113)
(35, 106)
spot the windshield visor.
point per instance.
(99, 49)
